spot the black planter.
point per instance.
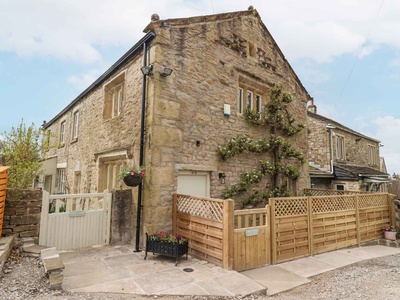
(132, 181)
(167, 249)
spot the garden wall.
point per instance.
(22, 214)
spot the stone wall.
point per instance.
(356, 148)
(22, 214)
(122, 218)
(211, 59)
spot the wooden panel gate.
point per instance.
(75, 221)
(251, 238)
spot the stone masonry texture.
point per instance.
(211, 57)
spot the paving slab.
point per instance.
(125, 285)
(306, 267)
(337, 259)
(120, 270)
(380, 250)
(275, 278)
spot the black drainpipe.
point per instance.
(141, 155)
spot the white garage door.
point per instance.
(194, 183)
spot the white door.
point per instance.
(194, 183)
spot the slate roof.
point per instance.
(354, 172)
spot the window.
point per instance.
(372, 155)
(109, 171)
(240, 101)
(249, 101)
(340, 148)
(62, 133)
(258, 103)
(76, 125)
(114, 97)
(61, 181)
(340, 187)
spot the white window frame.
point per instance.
(340, 147)
(119, 104)
(258, 103)
(61, 180)
(62, 132)
(249, 100)
(342, 185)
(75, 127)
(372, 155)
(114, 97)
(240, 101)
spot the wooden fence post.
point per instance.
(357, 220)
(227, 239)
(392, 210)
(273, 232)
(268, 234)
(174, 212)
(310, 226)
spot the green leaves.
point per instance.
(280, 165)
(241, 143)
(21, 151)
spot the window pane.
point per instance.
(249, 100)
(240, 101)
(258, 103)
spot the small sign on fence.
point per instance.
(252, 232)
(77, 213)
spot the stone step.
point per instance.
(6, 244)
(52, 263)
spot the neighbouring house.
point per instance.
(220, 65)
(341, 158)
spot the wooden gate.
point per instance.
(75, 221)
(251, 238)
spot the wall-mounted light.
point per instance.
(198, 143)
(147, 70)
(380, 145)
(227, 110)
(221, 177)
(166, 72)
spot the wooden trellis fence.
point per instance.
(207, 223)
(288, 228)
(303, 226)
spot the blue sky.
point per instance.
(345, 52)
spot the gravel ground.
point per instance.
(23, 277)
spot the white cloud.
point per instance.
(74, 30)
(310, 73)
(81, 82)
(388, 130)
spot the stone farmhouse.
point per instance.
(341, 158)
(140, 112)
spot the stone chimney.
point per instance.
(312, 108)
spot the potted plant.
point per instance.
(131, 175)
(168, 244)
(390, 233)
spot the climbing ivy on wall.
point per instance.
(280, 152)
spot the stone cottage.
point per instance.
(168, 103)
(341, 158)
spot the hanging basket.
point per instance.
(132, 181)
